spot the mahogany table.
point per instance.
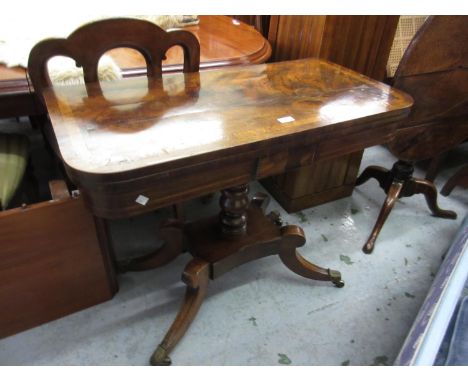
(223, 42)
(137, 145)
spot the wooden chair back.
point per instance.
(434, 71)
(88, 43)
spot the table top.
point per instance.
(223, 42)
(145, 126)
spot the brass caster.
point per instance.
(336, 278)
(160, 357)
(368, 248)
(338, 283)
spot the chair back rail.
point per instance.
(87, 44)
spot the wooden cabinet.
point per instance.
(51, 263)
(361, 43)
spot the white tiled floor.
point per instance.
(261, 313)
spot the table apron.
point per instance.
(119, 199)
(116, 200)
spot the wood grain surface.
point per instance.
(434, 70)
(137, 123)
(51, 264)
(361, 43)
(214, 129)
(222, 43)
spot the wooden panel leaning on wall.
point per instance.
(361, 43)
(50, 262)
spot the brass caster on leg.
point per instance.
(368, 247)
(336, 278)
(160, 357)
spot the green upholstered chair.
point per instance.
(13, 160)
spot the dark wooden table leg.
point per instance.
(196, 277)
(429, 191)
(392, 196)
(398, 183)
(293, 237)
(460, 178)
(373, 172)
(239, 234)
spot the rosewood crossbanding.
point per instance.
(141, 144)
